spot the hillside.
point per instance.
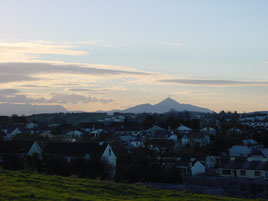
(28, 109)
(70, 118)
(28, 186)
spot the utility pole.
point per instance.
(148, 162)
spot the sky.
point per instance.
(110, 54)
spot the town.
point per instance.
(221, 153)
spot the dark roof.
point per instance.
(247, 165)
(74, 149)
(15, 147)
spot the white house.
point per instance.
(154, 129)
(185, 140)
(210, 162)
(209, 130)
(75, 133)
(31, 125)
(248, 142)
(127, 138)
(184, 129)
(198, 168)
(173, 137)
(137, 144)
(11, 135)
(239, 151)
(96, 133)
(19, 148)
(35, 148)
(110, 157)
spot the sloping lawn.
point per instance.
(28, 186)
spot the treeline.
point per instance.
(56, 165)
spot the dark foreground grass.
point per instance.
(29, 186)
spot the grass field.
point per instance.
(29, 186)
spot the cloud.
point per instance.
(23, 51)
(15, 72)
(98, 90)
(90, 43)
(74, 99)
(215, 83)
(8, 91)
(15, 96)
(95, 91)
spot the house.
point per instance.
(96, 133)
(173, 137)
(89, 151)
(199, 139)
(19, 148)
(137, 144)
(129, 130)
(194, 139)
(185, 140)
(198, 168)
(209, 130)
(75, 133)
(11, 133)
(155, 129)
(211, 161)
(162, 145)
(245, 169)
(189, 166)
(47, 135)
(127, 139)
(31, 125)
(239, 151)
(249, 142)
(232, 131)
(184, 129)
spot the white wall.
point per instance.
(198, 168)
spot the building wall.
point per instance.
(109, 156)
(198, 168)
(249, 173)
(34, 149)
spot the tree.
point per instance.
(33, 163)
(12, 162)
(148, 122)
(56, 165)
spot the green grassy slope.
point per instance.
(28, 186)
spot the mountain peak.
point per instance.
(168, 101)
(164, 106)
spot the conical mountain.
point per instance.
(165, 106)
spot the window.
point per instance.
(226, 172)
(266, 174)
(257, 173)
(242, 172)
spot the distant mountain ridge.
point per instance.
(164, 106)
(28, 109)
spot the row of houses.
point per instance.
(69, 151)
